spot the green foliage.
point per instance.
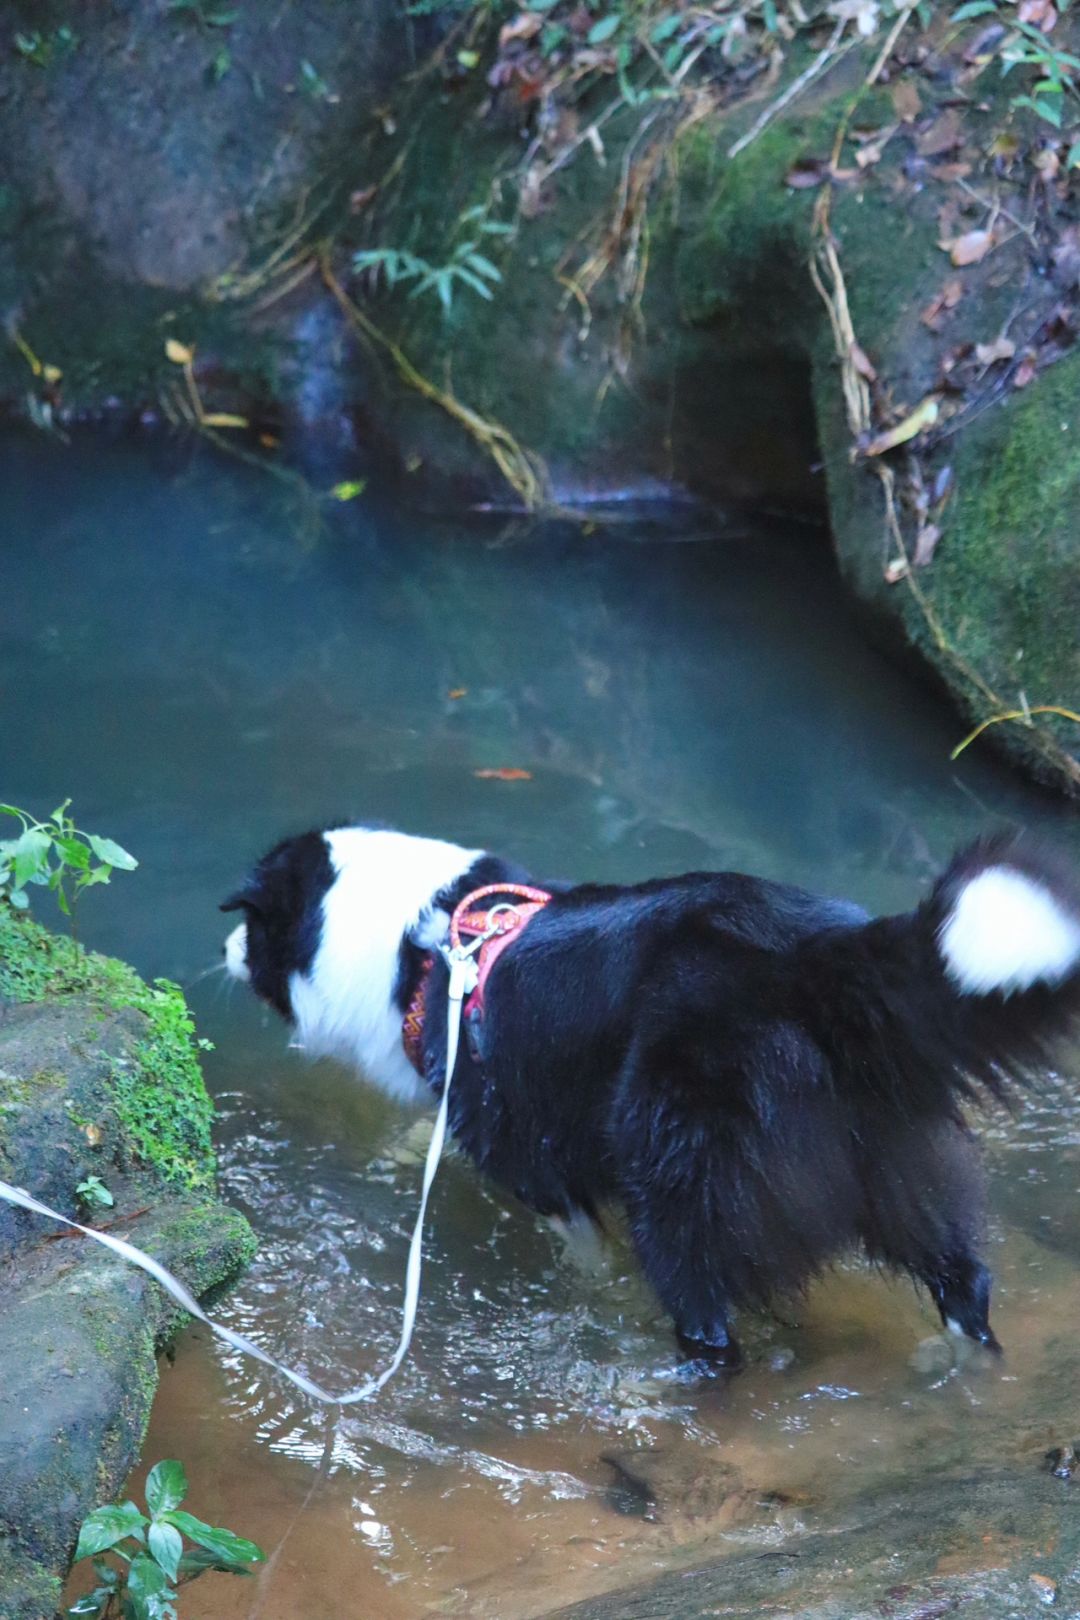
(466, 263)
(1055, 94)
(149, 1547)
(54, 853)
(95, 1194)
(44, 49)
(203, 12)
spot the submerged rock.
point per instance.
(98, 1078)
(976, 1546)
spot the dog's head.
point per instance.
(326, 917)
(281, 901)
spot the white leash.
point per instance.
(462, 981)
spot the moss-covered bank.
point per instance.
(98, 1076)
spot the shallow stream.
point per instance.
(203, 674)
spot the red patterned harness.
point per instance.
(497, 925)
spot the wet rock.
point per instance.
(666, 1484)
(97, 1077)
(974, 1545)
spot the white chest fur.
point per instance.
(383, 889)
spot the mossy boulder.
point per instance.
(99, 1077)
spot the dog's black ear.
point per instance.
(238, 901)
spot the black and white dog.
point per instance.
(763, 1078)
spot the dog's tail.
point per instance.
(969, 993)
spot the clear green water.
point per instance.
(176, 655)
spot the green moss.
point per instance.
(158, 1094)
(1006, 576)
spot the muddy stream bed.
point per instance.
(181, 655)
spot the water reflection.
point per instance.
(201, 684)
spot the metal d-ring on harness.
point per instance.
(464, 978)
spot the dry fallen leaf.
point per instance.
(907, 103)
(923, 416)
(969, 248)
(456, 692)
(896, 570)
(222, 419)
(526, 25)
(1002, 348)
(925, 544)
(948, 298)
(92, 1134)
(504, 773)
(1025, 371)
(944, 134)
(178, 353)
(1040, 13)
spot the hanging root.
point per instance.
(827, 274)
(523, 471)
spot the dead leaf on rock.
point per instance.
(526, 25)
(1039, 13)
(1065, 257)
(1002, 348)
(923, 416)
(1025, 371)
(944, 134)
(949, 172)
(807, 173)
(969, 248)
(504, 773)
(926, 544)
(947, 299)
(906, 100)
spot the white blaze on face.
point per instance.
(236, 953)
(384, 884)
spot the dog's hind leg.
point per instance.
(927, 1221)
(960, 1287)
(674, 1246)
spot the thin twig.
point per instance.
(795, 88)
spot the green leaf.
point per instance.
(73, 850)
(483, 267)
(974, 8)
(167, 1547)
(166, 1486)
(472, 281)
(222, 1543)
(94, 1192)
(148, 1594)
(31, 854)
(665, 28)
(106, 1526)
(602, 30)
(111, 853)
(18, 899)
(348, 489)
(196, 1561)
(91, 1603)
(468, 59)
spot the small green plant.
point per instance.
(466, 263)
(56, 853)
(204, 13)
(94, 1193)
(150, 1549)
(43, 49)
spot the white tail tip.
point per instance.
(1007, 932)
